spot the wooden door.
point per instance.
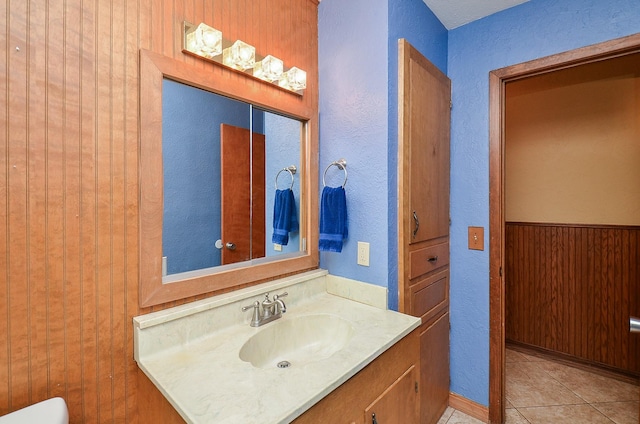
(398, 404)
(633, 320)
(427, 113)
(434, 343)
(242, 194)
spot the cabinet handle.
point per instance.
(373, 419)
(417, 224)
(433, 259)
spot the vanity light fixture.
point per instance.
(208, 43)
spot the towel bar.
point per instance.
(340, 163)
(291, 170)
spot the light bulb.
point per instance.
(269, 69)
(240, 55)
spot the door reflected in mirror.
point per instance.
(221, 171)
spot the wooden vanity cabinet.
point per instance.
(388, 386)
(423, 211)
(397, 404)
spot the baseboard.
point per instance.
(469, 407)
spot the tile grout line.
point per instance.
(527, 358)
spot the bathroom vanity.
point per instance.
(332, 354)
(386, 389)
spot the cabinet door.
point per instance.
(398, 404)
(434, 378)
(425, 114)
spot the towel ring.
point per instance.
(291, 170)
(340, 163)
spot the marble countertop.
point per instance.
(193, 358)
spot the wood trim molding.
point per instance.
(594, 53)
(496, 251)
(568, 225)
(497, 79)
(469, 407)
(402, 177)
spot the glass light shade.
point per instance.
(240, 55)
(269, 69)
(205, 41)
(294, 79)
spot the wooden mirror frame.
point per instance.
(153, 69)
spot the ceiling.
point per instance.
(455, 13)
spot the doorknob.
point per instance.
(634, 325)
(228, 245)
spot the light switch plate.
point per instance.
(476, 238)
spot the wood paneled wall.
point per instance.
(571, 289)
(69, 181)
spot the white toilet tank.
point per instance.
(50, 411)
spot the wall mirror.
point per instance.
(223, 161)
(212, 157)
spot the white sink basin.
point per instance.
(297, 341)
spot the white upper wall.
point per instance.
(455, 13)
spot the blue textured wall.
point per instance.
(526, 32)
(358, 120)
(353, 125)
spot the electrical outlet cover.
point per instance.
(363, 253)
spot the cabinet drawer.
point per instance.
(430, 296)
(428, 259)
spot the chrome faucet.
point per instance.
(271, 309)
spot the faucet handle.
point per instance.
(280, 296)
(255, 305)
(255, 319)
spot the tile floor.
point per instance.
(542, 391)
(451, 416)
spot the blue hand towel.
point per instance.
(333, 219)
(285, 219)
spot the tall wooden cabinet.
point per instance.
(423, 266)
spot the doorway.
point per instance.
(498, 81)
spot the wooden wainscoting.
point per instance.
(571, 289)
